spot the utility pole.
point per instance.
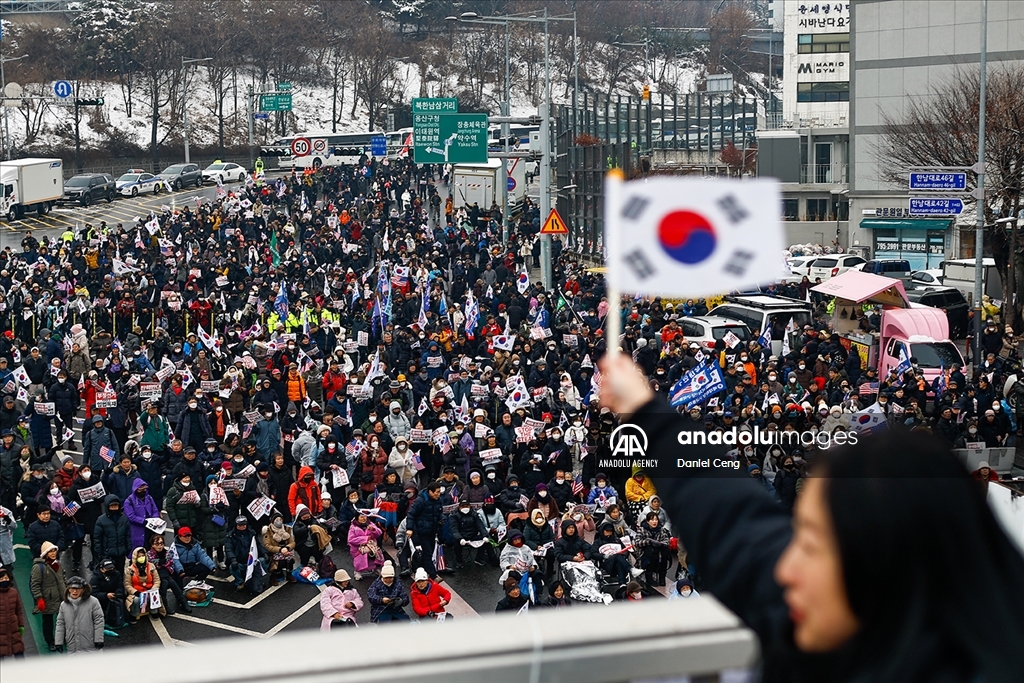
(545, 164)
(248, 115)
(506, 109)
(980, 191)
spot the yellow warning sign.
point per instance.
(554, 225)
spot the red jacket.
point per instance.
(429, 600)
(332, 383)
(308, 495)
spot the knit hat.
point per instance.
(47, 547)
(299, 509)
(341, 575)
(388, 570)
(510, 585)
(421, 575)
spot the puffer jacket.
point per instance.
(424, 516)
(182, 514)
(111, 537)
(174, 404)
(12, 619)
(427, 601)
(305, 494)
(380, 590)
(79, 623)
(567, 547)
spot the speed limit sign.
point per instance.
(319, 145)
(300, 147)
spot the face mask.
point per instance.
(792, 380)
(292, 415)
(458, 431)
(193, 405)
(972, 430)
(772, 378)
(577, 423)
(686, 592)
(278, 523)
(86, 475)
(802, 366)
(140, 560)
(402, 447)
(54, 491)
(464, 511)
(560, 480)
(61, 380)
(490, 475)
(4, 585)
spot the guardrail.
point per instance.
(650, 639)
(117, 167)
(999, 459)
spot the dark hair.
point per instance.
(909, 520)
(433, 486)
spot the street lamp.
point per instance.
(3, 88)
(545, 121)
(184, 97)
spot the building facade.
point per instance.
(900, 50)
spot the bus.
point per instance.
(337, 149)
(399, 143)
(518, 134)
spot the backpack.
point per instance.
(326, 568)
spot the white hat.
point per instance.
(421, 575)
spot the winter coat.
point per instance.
(48, 584)
(79, 623)
(467, 527)
(111, 537)
(138, 510)
(120, 483)
(12, 618)
(567, 547)
(424, 516)
(64, 397)
(39, 533)
(427, 601)
(174, 404)
(305, 494)
(92, 442)
(267, 434)
(536, 536)
(334, 600)
(156, 432)
(359, 536)
(193, 553)
(374, 461)
(182, 514)
(305, 449)
(213, 534)
(379, 590)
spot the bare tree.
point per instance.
(941, 129)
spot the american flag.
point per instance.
(438, 558)
(868, 388)
(107, 454)
(378, 498)
(577, 485)
(354, 447)
(71, 508)
(260, 307)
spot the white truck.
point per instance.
(30, 185)
(481, 184)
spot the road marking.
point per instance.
(161, 632)
(252, 603)
(293, 616)
(214, 624)
(458, 607)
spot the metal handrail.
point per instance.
(654, 638)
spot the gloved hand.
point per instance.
(463, 541)
(40, 604)
(98, 646)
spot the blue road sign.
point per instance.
(63, 89)
(261, 116)
(511, 183)
(379, 146)
(936, 206)
(938, 180)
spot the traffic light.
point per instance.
(98, 102)
(647, 92)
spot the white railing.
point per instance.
(655, 638)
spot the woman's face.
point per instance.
(811, 574)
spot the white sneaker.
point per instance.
(636, 571)
(359, 577)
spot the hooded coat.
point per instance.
(305, 494)
(79, 623)
(111, 537)
(138, 510)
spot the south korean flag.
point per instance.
(693, 237)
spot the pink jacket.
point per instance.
(332, 601)
(358, 536)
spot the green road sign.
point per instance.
(284, 85)
(449, 138)
(435, 105)
(278, 102)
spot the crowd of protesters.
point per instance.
(342, 360)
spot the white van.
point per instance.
(759, 311)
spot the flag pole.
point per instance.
(613, 321)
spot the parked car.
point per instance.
(225, 172)
(926, 279)
(706, 330)
(798, 265)
(827, 267)
(136, 182)
(180, 176)
(898, 269)
(760, 311)
(951, 301)
(86, 188)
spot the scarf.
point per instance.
(280, 535)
